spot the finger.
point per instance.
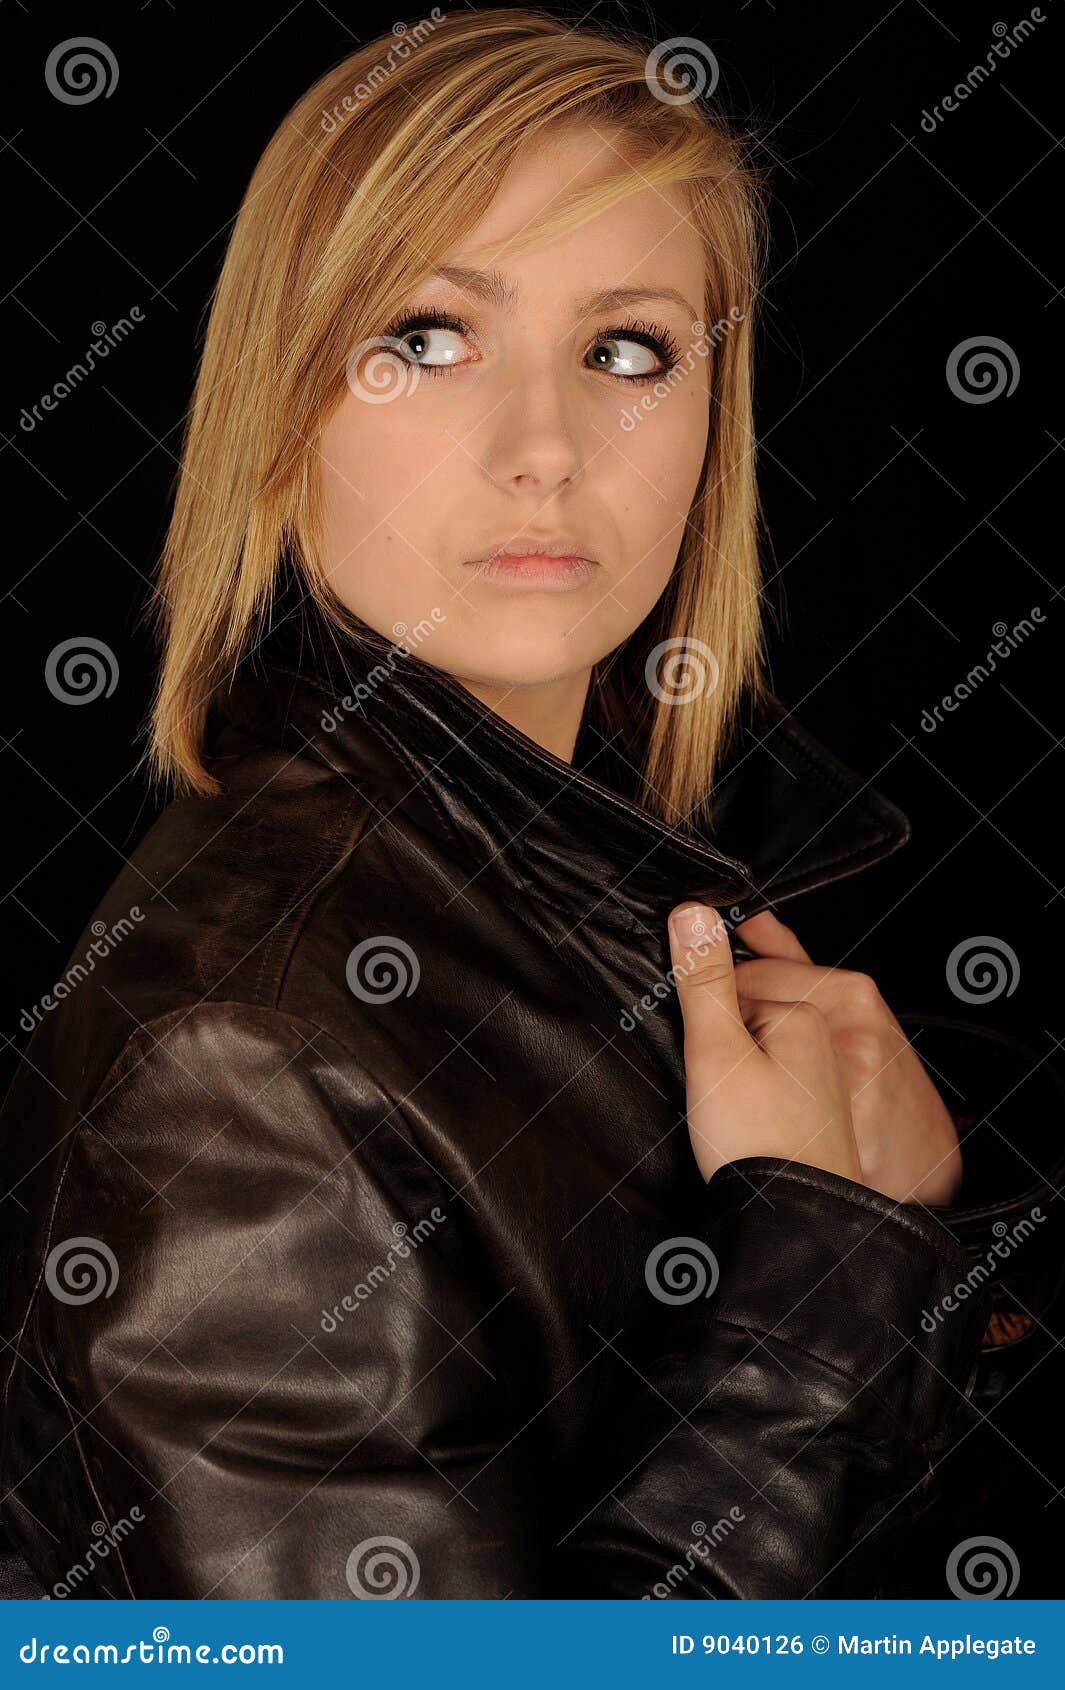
(705, 977)
(766, 934)
(764, 1015)
(759, 1014)
(779, 977)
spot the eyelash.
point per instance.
(656, 339)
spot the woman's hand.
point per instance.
(906, 1138)
(764, 1082)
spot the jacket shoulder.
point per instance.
(245, 1089)
(209, 907)
(225, 884)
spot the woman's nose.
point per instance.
(533, 433)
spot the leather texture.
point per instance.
(359, 1248)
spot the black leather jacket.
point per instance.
(356, 1243)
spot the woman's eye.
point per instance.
(438, 344)
(434, 347)
(623, 357)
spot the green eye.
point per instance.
(626, 357)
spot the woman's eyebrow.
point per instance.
(497, 290)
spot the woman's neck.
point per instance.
(549, 712)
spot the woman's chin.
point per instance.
(545, 664)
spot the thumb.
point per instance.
(705, 976)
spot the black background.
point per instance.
(905, 522)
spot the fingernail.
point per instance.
(693, 925)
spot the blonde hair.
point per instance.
(364, 188)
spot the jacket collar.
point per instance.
(787, 815)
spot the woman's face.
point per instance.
(521, 411)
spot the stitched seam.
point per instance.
(35, 1288)
(424, 786)
(846, 784)
(605, 807)
(613, 809)
(104, 1515)
(858, 1201)
(623, 923)
(281, 934)
(383, 734)
(292, 931)
(30, 1305)
(872, 852)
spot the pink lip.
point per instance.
(535, 571)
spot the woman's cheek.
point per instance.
(662, 433)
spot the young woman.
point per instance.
(419, 1198)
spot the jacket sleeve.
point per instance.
(226, 1436)
(811, 1350)
(257, 1354)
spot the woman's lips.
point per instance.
(535, 571)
